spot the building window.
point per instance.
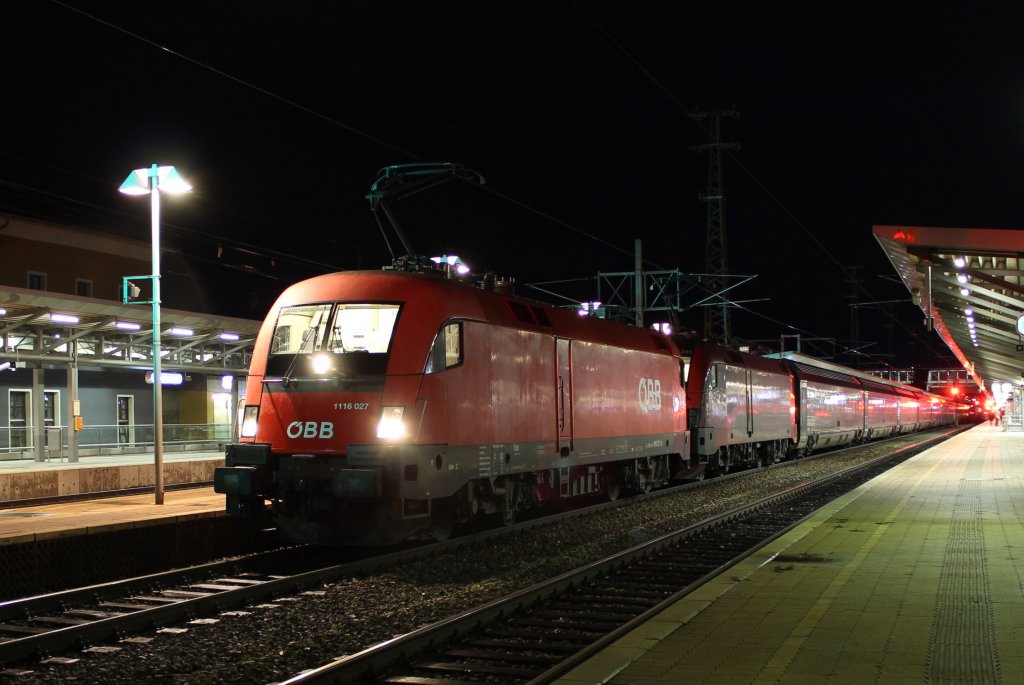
(36, 280)
(83, 287)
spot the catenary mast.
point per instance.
(716, 262)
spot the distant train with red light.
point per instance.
(388, 404)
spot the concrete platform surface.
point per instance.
(914, 577)
(105, 515)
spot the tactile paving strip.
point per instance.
(962, 639)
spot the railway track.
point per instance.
(51, 624)
(539, 633)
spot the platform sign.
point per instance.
(131, 293)
(166, 378)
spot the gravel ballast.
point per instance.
(274, 641)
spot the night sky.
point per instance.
(578, 114)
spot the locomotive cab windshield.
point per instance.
(332, 340)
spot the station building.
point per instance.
(76, 360)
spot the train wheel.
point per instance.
(612, 485)
(510, 512)
(509, 516)
(442, 519)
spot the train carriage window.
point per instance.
(446, 351)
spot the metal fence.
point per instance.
(18, 443)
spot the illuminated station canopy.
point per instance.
(41, 327)
(970, 282)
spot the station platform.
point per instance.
(916, 576)
(54, 521)
(25, 480)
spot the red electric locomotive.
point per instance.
(381, 405)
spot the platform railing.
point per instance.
(18, 443)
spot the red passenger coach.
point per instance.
(387, 404)
(746, 410)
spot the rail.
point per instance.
(418, 656)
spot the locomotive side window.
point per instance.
(446, 351)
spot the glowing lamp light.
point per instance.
(962, 278)
(250, 420)
(127, 326)
(451, 263)
(168, 180)
(177, 330)
(969, 312)
(227, 381)
(965, 292)
(63, 318)
(229, 336)
(391, 426)
(3, 312)
(959, 262)
(321, 364)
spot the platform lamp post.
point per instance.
(151, 182)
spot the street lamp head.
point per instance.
(166, 178)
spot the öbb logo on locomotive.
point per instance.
(311, 429)
(650, 394)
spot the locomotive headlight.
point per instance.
(391, 426)
(249, 417)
